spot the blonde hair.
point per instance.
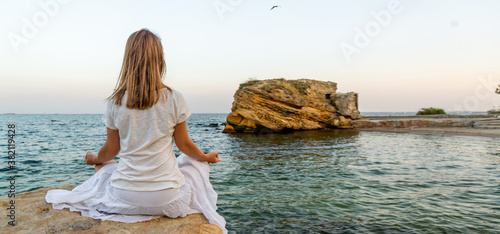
(142, 71)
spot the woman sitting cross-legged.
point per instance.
(143, 118)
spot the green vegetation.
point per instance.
(250, 79)
(249, 82)
(270, 87)
(498, 90)
(300, 86)
(288, 91)
(431, 111)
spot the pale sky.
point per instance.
(399, 55)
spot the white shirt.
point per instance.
(147, 161)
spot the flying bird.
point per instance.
(275, 7)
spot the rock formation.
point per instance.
(277, 105)
(34, 215)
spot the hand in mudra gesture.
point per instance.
(213, 157)
(91, 159)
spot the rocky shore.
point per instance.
(470, 125)
(34, 215)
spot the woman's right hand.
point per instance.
(213, 157)
(91, 159)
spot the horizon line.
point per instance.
(11, 113)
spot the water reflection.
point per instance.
(296, 165)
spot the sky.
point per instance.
(399, 55)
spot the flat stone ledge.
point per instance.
(35, 215)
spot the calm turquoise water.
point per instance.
(317, 181)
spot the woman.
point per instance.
(143, 117)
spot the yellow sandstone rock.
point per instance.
(228, 129)
(277, 104)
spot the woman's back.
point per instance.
(147, 160)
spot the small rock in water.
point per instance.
(229, 129)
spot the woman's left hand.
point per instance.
(91, 159)
(212, 157)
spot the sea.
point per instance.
(325, 181)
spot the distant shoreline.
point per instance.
(484, 125)
(495, 133)
(414, 113)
